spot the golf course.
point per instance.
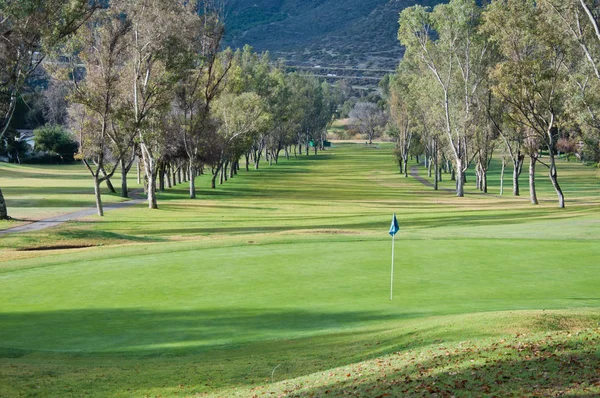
(277, 283)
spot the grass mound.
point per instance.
(548, 364)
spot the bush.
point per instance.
(56, 143)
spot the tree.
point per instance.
(238, 115)
(368, 119)
(402, 115)
(29, 29)
(159, 56)
(57, 141)
(449, 47)
(101, 47)
(13, 146)
(197, 90)
(579, 20)
(531, 76)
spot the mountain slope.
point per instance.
(352, 33)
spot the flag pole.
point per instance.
(393, 231)
(392, 279)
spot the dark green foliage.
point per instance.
(57, 142)
(13, 147)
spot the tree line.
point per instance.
(516, 75)
(148, 82)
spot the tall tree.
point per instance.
(580, 20)
(159, 56)
(29, 29)
(239, 115)
(198, 89)
(531, 76)
(101, 45)
(368, 119)
(448, 45)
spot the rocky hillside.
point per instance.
(334, 38)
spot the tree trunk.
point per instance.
(460, 179)
(161, 178)
(124, 171)
(517, 168)
(221, 174)
(167, 176)
(554, 179)
(151, 174)
(532, 193)
(109, 184)
(139, 171)
(98, 196)
(247, 162)
(429, 165)
(152, 203)
(257, 157)
(484, 182)
(192, 181)
(215, 174)
(3, 210)
(436, 169)
(502, 177)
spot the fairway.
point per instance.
(287, 266)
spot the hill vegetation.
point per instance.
(351, 33)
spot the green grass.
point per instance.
(287, 267)
(35, 192)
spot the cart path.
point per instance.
(414, 173)
(58, 220)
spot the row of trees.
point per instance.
(148, 80)
(516, 74)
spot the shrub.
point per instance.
(56, 142)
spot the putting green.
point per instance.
(192, 299)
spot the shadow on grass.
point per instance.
(14, 173)
(149, 333)
(98, 235)
(541, 368)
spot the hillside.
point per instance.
(332, 34)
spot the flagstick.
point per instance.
(392, 281)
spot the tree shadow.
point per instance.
(147, 332)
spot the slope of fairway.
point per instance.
(288, 267)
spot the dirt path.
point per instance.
(57, 220)
(414, 173)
